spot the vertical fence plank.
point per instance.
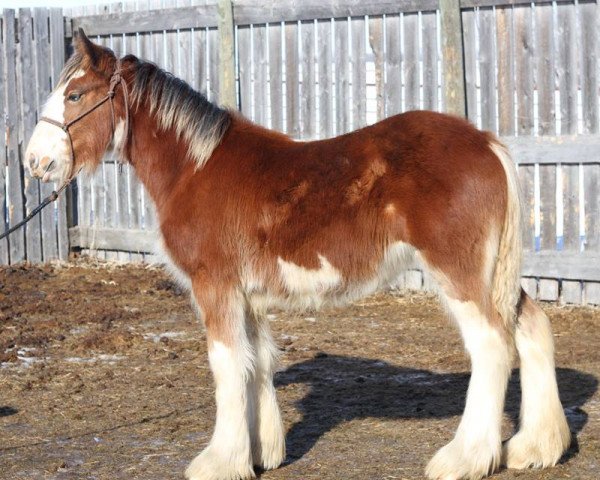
(566, 66)
(184, 49)
(589, 65)
(158, 39)
(15, 205)
(4, 256)
(261, 75)
(359, 72)
(504, 42)
(410, 61)
(592, 223)
(308, 128)
(524, 69)
(487, 69)
(213, 64)
(27, 101)
(244, 36)
(307, 80)
(171, 63)
(469, 22)
(276, 76)
(548, 288)
(570, 290)
(200, 60)
(376, 41)
(452, 57)
(226, 55)
(544, 56)
(430, 60)
(325, 62)
(393, 84)
(291, 80)
(43, 86)
(342, 76)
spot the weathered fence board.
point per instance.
(15, 210)
(4, 198)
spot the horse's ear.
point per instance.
(87, 49)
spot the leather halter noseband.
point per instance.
(115, 80)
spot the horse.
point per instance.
(251, 219)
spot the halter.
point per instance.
(115, 80)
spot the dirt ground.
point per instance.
(104, 375)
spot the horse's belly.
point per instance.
(298, 288)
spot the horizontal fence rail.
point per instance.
(316, 69)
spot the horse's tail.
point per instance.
(506, 282)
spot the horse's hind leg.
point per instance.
(544, 433)
(267, 435)
(475, 450)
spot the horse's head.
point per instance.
(78, 124)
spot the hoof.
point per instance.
(212, 466)
(536, 450)
(456, 461)
(270, 455)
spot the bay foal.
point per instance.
(252, 220)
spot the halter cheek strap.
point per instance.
(115, 80)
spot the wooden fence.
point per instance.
(320, 68)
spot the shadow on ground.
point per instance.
(6, 411)
(347, 388)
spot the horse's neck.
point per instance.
(158, 157)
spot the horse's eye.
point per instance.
(74, 97)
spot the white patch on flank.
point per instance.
(307, 289)
(475, 450)
(303, 281)
(228, 455)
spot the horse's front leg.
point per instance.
(228, 456)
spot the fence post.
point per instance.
(227, 93)
(454, 92)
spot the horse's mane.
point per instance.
(174, 103)
(177, 105)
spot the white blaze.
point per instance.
(49, 146)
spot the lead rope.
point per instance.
(47, 201)
(115, 80)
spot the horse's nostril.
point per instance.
(32, 160)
